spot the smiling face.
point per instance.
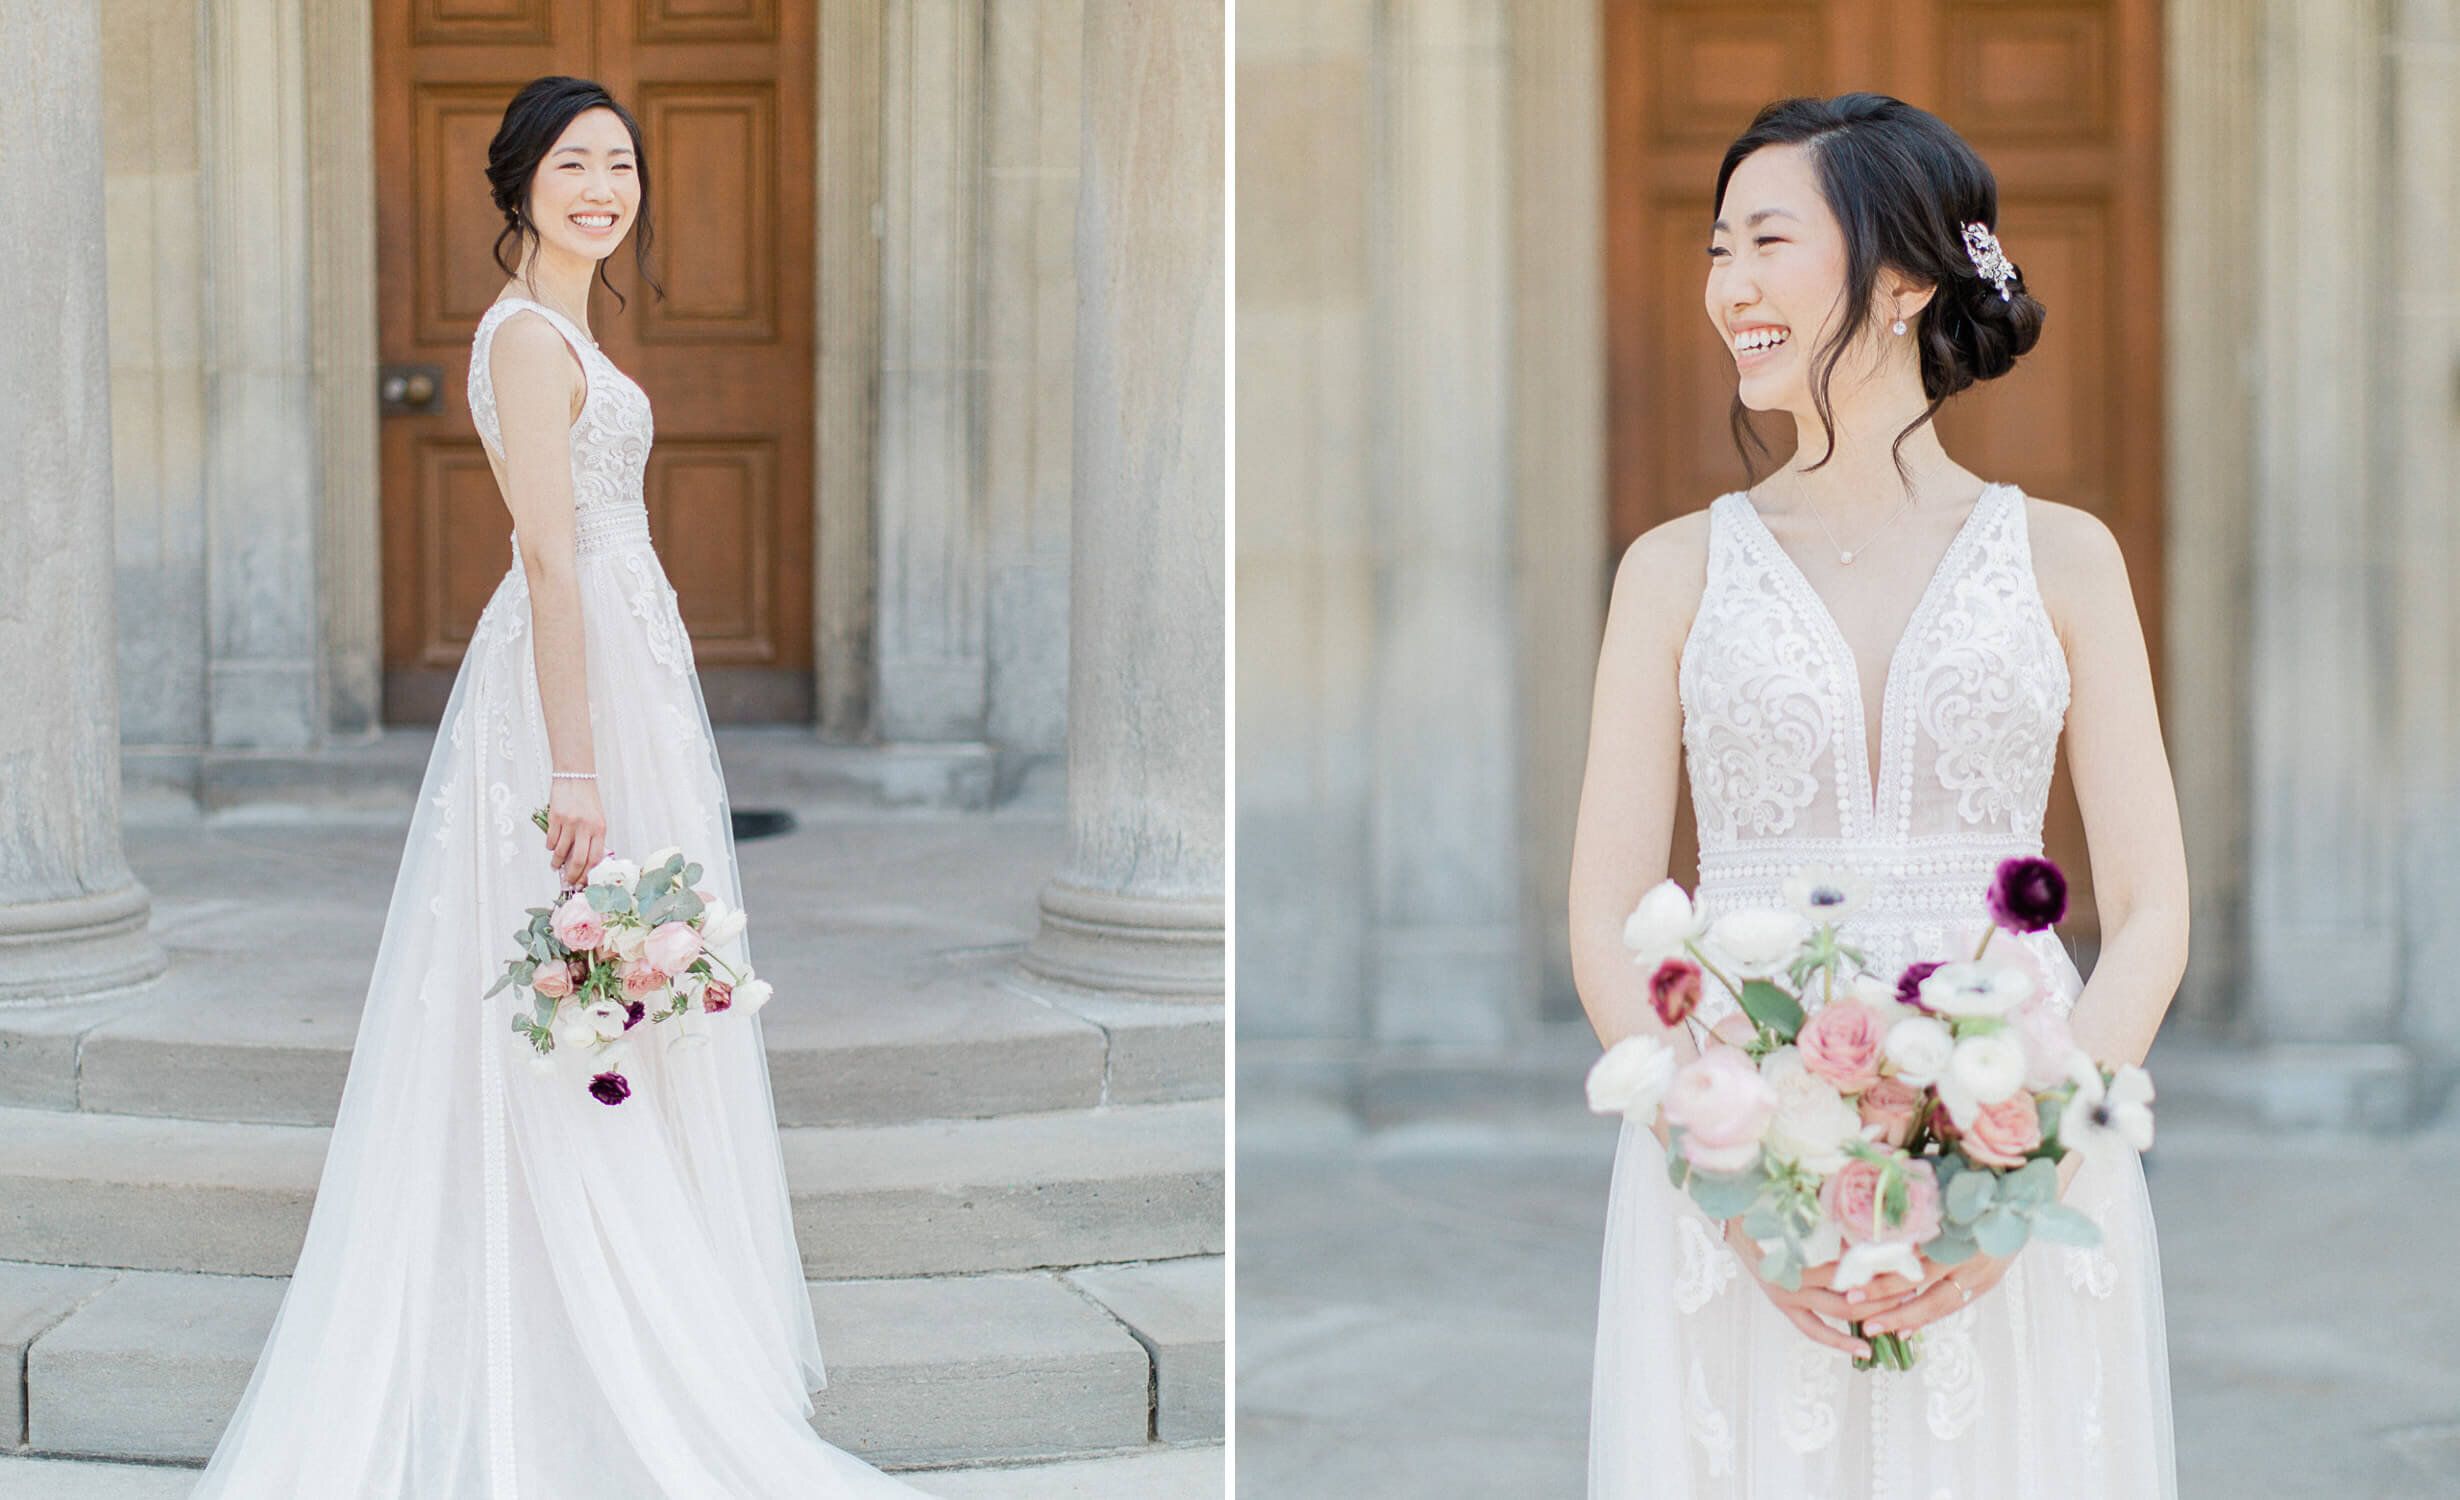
(1776, 276)
(587, 190)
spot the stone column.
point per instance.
(1137, 906)
(2323, 911)
(1449, 963)
(72, 917)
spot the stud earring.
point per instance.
(1900, 328)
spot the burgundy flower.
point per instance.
(610, 1088)
(1674, 990)
(2028, 894)
(716, 995)
(633, 1011)
(1909, 984)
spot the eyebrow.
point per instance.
(1753, 221)
(618, 151)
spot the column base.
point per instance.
(1168, 948)
(60, 950)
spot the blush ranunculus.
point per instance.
(671, 947)
(641, 980)
(716, 995)
(1723, 1107)
(1851, 1200)
(577, 925)
(2005, 1133)
(1674, 991)
(553, 981)
(1891, 1104)
(1841, 1043)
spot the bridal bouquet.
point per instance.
(627, 938)
(1896, 1120)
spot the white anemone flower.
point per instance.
(1826, 893)
(2103, 1117)
(721, 923)
(1760, 941)
(605, 1019)
(1976, 988)
(573, 1029)
(1630, 1080)
(1658, 927)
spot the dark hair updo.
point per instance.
(1902, 186)
(533, 123)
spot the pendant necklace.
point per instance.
(1845, 554)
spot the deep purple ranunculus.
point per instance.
(610, 1088)
(1909, 984)
(633, 1011)
(2028, 894)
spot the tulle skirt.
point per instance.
(2054, 1385)
(509, 1290)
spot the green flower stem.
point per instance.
(1987, 934)
(1889, 1351)
(1693, 948)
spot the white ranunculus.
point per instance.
(614, 871)
(1918, 1048)
(752, 994)
(1659, 926)
(1866, 1262)
(542, 1063)
(629, 941)
(721, 924)
(573, 1030)
(1630, 1080)
(657, 860)
(1813, 1124)
(1976, 988)
(1759, 941)
(1984, 1070)
(1825, 893)
(2101, 1118)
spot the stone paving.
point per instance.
(1416, 1308)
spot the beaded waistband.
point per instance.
(601, 528)
(1908, 882)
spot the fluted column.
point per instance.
(72, 917)
(1137, 905)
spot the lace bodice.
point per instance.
(610, 438)
(1774, 738)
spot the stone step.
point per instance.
(1137, 1182)
(213, 1041)
(147, 1365)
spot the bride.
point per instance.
(509, 1289)
(1866, 660)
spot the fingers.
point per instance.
(1820, 1333)
(1944, 1296)
(1881, 1290)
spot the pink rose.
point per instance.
(554, 981)
(671, 946)
(577, 925)
(1851, 1201)
(2049, 1047)
(641, 980)
(1674, 990)
(1840, 1043)
(1723, 1107)
(2005, 1133)
(1891, 1104)
(716, 995)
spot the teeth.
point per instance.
(595, 221)
(1759, 338)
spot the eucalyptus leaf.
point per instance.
(1952, 1247)
(1777, 1266)
(1723, 1195)
(2031, 1185)
(1969, 1194)
(2001, 1231)
(2061, 1225)
(1772, 1007)
(523, 973)
(520, 1023)
(691, 873)
(503, 980)
(607, 898)
(545, 1011)
(1678, 1170)
(1764, 1222)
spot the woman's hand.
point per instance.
(1944, 1289)
(576, 828)
(1806, 1308)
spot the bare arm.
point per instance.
(1625, 831)
(537, 381)
(2123, 785)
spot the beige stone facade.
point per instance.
(1421, 558)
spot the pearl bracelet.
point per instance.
(575, 775)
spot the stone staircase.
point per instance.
(1009, 1198)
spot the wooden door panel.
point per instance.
(722, 91)
(2062, 98)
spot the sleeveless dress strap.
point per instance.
(482, 377)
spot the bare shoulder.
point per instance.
(2077, 562)
(525, 343)
(1658, 582)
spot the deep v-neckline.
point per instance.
(1874, 765)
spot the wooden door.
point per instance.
(2062, 99)
(722, 90)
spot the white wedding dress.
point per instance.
(2052, 1386)
(510, 1290)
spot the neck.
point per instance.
(559, 280)
(1860, 479)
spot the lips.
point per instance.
(594, 223)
